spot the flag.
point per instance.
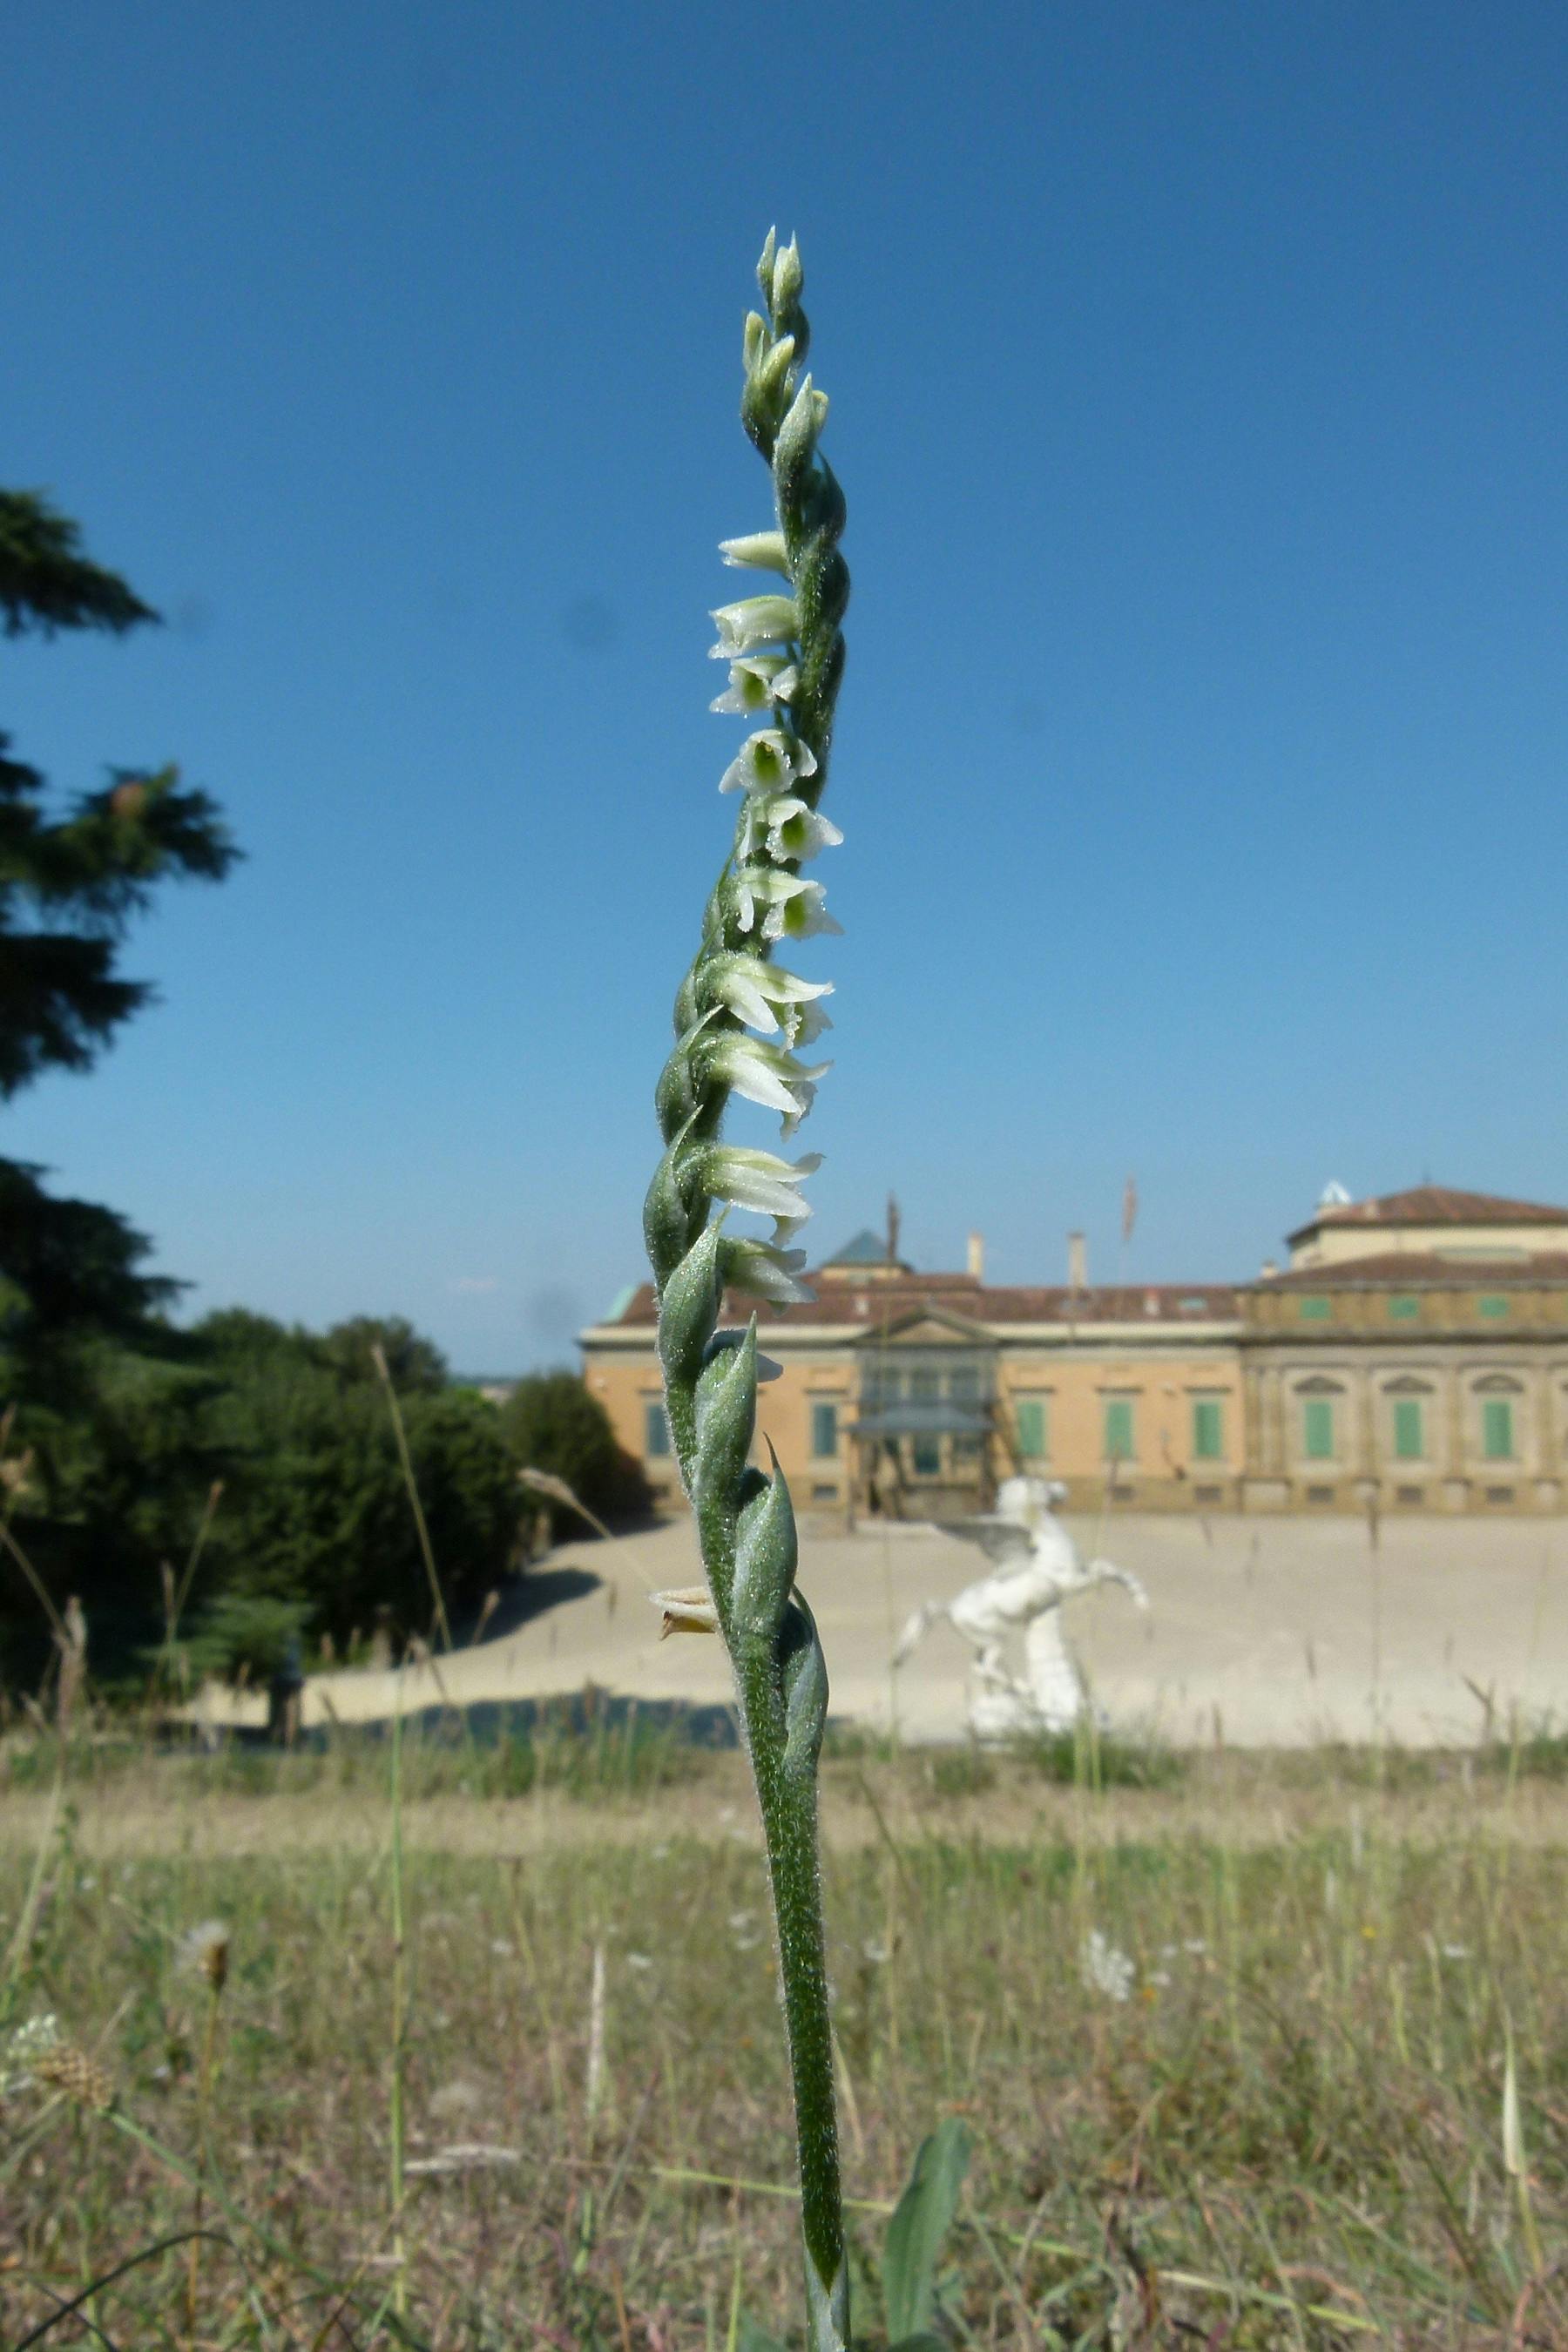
(1128, 1209)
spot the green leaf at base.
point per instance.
(924, 2215)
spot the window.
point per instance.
(922, 1385)
(1318, 1429)
(1491, 1305)
(1409, 1444)
(823, 1430)
(1496, 1429)
(928, 1458)
(656, 1431)
(1403, 1309)
(966, 1447)
(963, 1384)
(1119, 1429)
(1208, 1429)
(1313, 1310)
(1032, 1428)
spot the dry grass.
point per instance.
(1290, 2134)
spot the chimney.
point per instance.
(977, 1256)
(1078, 1261)
(1269, 1270)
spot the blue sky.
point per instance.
(1197, 392)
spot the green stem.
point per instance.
(746, 1525)
(789, 1833)
(397, 2133)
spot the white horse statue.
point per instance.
(1038, 1567)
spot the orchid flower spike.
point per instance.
(785, 653)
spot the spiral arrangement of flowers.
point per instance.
(785, 654)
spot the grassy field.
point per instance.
(1230, 2033)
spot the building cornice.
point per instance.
(784, 1338)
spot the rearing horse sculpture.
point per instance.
(1038, 1567)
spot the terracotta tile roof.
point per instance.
(867, 1309)
(1434, 1204)
(1416, 1270)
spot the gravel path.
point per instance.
(1271, 1633)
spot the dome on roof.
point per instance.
(867, 1249)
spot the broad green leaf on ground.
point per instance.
(924, 2215)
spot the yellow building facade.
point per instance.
(1412, 1356)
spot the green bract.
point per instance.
(786, 657)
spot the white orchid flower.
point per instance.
(787, 907)
(759, 1181)
(768, 1074)
(765, 996)
(761, 551)
(768, 762)
(757, 683)
(786, 827)
(765, 1271)
(754, 621)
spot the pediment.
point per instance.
(928, 1326)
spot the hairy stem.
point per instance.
(787, 657)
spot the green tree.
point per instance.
(316, 1510)
(415, 1365)
(551, 1423)
(73, 1282)
(69, 885)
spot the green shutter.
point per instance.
(1119, 1429)
(1032, 1428)
(1313, 1310)
(1208, 1434)
(1405, 1309)
(1408, 1434)
(1491, 1305)
(1318, 1429)
(1496, 1429)
(656, 1440)
(823, 1430)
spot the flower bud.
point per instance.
(765, 1558)
(763, 551)
(802, 1681)
(796, 441)
(788, 279)
(690, 1308)
(726, 1417)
